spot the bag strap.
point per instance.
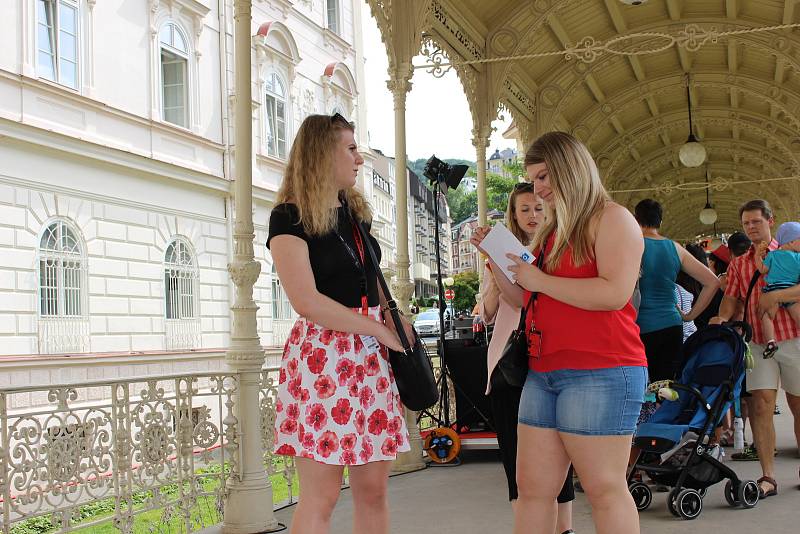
(398, 325)
(524, 312)
(753, 282)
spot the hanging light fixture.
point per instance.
(708, 215)
(692, 153)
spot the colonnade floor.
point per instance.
(472, 499)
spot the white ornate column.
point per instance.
(403, 286)
(480, 140)
(400, 85)
(248, 506)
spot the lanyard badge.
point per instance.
(360, 263)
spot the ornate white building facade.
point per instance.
(116, 163)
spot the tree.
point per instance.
(498, 189)
(462, 205)
(465, 286)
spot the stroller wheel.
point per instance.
(748, 493)
(703, 492)
(671, 498)
(689, 504)
(731, 493)
(641, 494)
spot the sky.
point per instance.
(438, 120)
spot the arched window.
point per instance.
(275, 104)
(62, 272)
(180, 296)
(174, 75)
(57, 41)
(63, 316)
(180, 276)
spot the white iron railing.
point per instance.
(182, 334)
(154, 456)
(59, 335)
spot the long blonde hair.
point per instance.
(511, 220)
(578, 195)
(309, 182)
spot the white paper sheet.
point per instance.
(499, 242)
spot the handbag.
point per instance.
(513, 363)
(412, 367)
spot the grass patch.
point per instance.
(203, 513)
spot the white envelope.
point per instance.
(499, 242)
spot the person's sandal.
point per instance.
(770, 350)
(764, 494)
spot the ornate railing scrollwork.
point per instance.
(165, 443)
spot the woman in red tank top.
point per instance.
(588, 368)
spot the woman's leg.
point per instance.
(604, 481)
(319, 491)
(564, 521)
(369, 483)
(564, 500)
(504, 401)
(542, 464)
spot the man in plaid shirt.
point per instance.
(784, 369)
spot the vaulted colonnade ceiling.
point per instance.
(615, 76)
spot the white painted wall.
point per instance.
(101, 157)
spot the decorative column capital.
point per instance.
(244, 273)
(480, 137)
(402, 290)
(399, 82)
(399, 85)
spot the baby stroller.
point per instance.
(674, 441)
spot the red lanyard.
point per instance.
(360, 247)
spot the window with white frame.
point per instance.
(62, 273)
(57, 41)
(333, 16)
(180, 279)
(276, 105)
(281, 308)
(174, 75)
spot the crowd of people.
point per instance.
(606, 273)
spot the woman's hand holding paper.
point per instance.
(477, 237)
(526, 275)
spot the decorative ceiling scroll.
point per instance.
(692, 38)
(442, 51)
(717, 184)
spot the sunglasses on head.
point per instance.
(338, 117)
(523, 186)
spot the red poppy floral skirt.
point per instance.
(337, 400)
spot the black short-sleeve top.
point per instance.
(335, 272)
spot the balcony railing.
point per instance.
(58, 335)
(154, 451)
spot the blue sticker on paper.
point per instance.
(526, 257)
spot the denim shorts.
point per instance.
(592, 402)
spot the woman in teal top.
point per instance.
(660, 321)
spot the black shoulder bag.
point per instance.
(412, 367)
(513, 364)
